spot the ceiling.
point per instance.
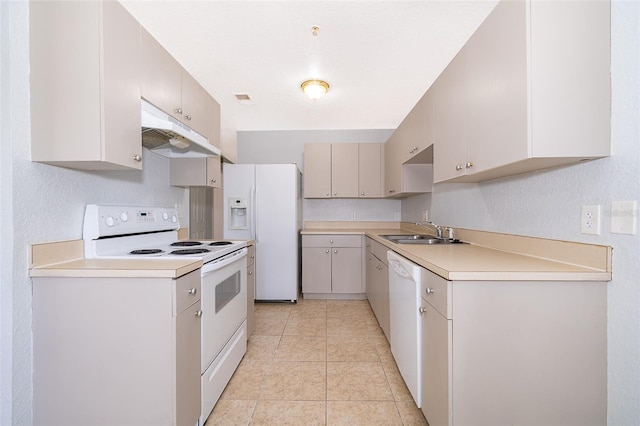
(379, 57)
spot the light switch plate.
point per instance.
(623, 217)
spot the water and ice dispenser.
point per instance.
(238, 213)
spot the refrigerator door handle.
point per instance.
(253, 218)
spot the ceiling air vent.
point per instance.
(243, 98)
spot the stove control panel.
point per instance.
(101, 220)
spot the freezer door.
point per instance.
(238, 182)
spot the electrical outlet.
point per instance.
(353, 215)
(590, 219)
(425, 216)
(396, 215)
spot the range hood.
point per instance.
(166, 136)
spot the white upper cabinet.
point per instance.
(161, 76)
(529, 90)
(409, 152)
(85, 85)
(370, 170)
(317, 170)
(344, 170)
(169, 87)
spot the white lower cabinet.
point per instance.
(527, 352)
(378, 284)
(251, 290)
(120, 351)
(332, 266)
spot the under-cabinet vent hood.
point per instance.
(166, 136)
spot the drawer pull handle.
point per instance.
(429, 290)
(193, 291)
(199, 313)
(422, 310)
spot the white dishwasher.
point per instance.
(406, 329)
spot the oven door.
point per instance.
(224, 302)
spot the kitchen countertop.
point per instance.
(66, 259)
(118, 268)
(493, 257)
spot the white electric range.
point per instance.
(129, 232)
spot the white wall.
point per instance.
(547, 204)
(42, 203)
(288, 147)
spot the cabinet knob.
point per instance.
(213, 180)
(137, 157)
(193, 291)
(331, 241)
(469, 164)
(199, 313)
(458, 166)
(429, 290)
(422, 310)
(326, 194)
(250, 272)
(178, 110)
(362, 193)
(188, 117)
(335, 193)
(335, 251)
(326, 251)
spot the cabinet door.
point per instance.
(392, 167)
(382, 286)
(316, 270)
(213, 121)
(346, 270)
(194, 104)
(497, 90)
(188, 393)
(251, 296)
(449, 155)
(369, 170)
(344, 170)
(317, 170)
(436, 366)
(120, 71)
(370, 277)
(214, 172)
(161, 76)
(204, 171)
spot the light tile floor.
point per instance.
(316, 362)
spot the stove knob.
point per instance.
(110, 221)
(124, 216)
(165, 216)
(174, 219)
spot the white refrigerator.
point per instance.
(263, 202)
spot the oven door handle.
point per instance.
(214, 265)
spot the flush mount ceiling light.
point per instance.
(315, 88)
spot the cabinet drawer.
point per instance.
(186, 291)
(379, 251)
(251, 255)
(337, 240)
(437, 292)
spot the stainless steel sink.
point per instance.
(420, 239)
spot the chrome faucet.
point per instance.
(438, 228)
